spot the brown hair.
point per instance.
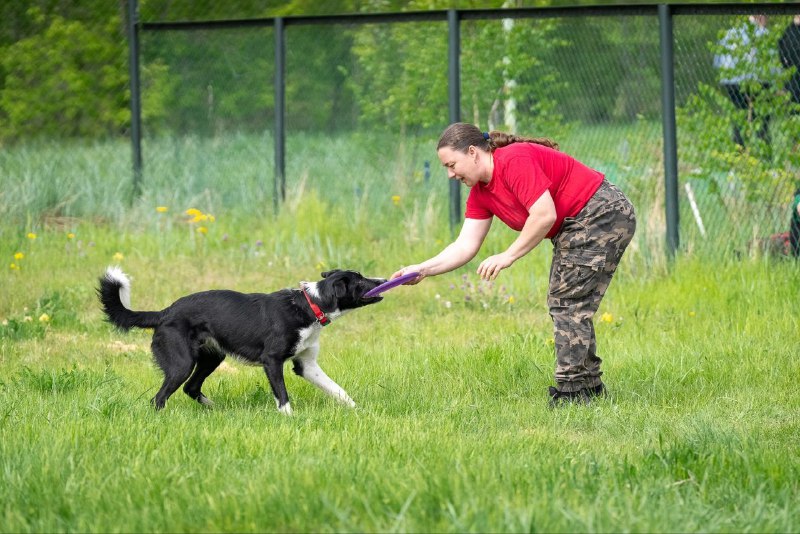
(461, 135)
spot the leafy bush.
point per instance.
(764, 168)
(52, 75)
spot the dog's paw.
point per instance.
(205, 401)
(286, 409)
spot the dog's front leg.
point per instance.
(306, 366)
(274, 370)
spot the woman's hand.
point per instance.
(409, 269)
(491, 266)
(542, 215)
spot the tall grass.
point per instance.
(44, 184)
(452, 432)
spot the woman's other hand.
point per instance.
(491, 266)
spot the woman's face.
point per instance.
(460, 166)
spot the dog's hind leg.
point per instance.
(173, 355)
(274, 370)
(209, 357)
(305, 365)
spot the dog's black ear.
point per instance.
(340, 287)
(326, 274)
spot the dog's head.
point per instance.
(344, 290)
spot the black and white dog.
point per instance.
(192, 336)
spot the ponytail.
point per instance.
(461, 135)
(501, 139)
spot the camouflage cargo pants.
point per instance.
(586, 253)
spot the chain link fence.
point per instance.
(737, 141)
(366, 98)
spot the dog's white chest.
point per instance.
(309, 337)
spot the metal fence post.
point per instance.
(669, 128)
(279, 189)
(136, 106)
(454, 97)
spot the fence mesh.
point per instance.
(207, 115)
(592, 83)
(365, 103)
(738, 158)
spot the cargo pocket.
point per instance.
(576, 271)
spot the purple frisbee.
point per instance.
(386, 286)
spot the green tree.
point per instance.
(67, 80)
(206, 82)
(400, 80)
(507, 82)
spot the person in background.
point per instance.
(794, 225)
(542, 193)
(789, 48)
(738, 66)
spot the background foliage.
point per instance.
(64, 68)
(590, 82)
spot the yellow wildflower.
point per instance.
(14, 267)
(118, 256)
(211, 218)
(162, 209)
(193, 212)
(692, 314)
(31, 236)
(202, 229)
(511, 299)
(607, 318)
(18, 256)
(43, 318)
(396, 200)
(70, 236)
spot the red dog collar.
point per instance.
(322, 319)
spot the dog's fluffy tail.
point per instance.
(115, 296)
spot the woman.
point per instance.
(542, 193)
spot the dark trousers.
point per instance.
(793, 88)
(743, 100)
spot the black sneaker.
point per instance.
(598, 390)
(582, 396)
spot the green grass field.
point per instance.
(452, 432)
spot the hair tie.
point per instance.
(486, 135)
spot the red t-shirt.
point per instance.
(522, 172)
